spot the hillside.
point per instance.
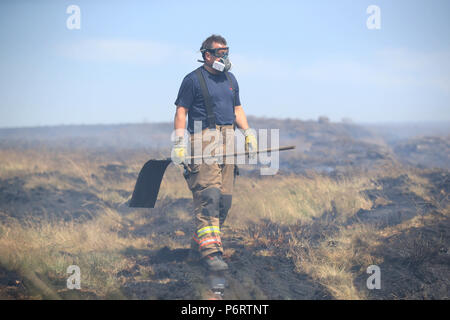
(344, 200)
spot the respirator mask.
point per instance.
(224, 63)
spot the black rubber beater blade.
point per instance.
(148, 183)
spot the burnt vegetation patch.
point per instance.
(346, 198)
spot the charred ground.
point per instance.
(348, 197)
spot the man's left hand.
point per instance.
(251, 144)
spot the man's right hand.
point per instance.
(178, 154)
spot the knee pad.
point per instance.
(210, 198)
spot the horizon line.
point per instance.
(146, 122)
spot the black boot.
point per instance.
(214, 262)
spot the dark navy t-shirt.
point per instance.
(222, 97)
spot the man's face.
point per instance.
(210, 58)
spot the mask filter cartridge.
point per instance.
(222, 65)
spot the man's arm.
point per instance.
(180, 121)
(241, 119)
(178, 153)
(251, 144)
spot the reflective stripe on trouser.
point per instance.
(208, 236)
(211, 186)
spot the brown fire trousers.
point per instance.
(212, 188)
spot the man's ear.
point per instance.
(207, 55)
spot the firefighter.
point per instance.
(209, 96)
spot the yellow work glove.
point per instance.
(251, 145)
(179, 150)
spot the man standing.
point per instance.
(210, 95)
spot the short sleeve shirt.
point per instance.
(222, 97)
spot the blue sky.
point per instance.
(293, 59)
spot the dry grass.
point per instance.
(41, 252)
(46, 250)
(302, 198)
(336, 260)
(314, 204)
